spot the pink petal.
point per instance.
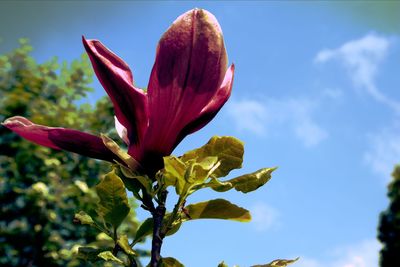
(190, 65)
(121, 130)
(60, 138)
(130, 103)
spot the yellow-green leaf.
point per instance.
(89, 253)
(174, 173)
(146, 228)
(227, 149)
(145, 181)
(244, 183)
(277, 263)
(83, 218)
(108, 256)
(218, 209)
(222, 264)
(201, 169)
(125, 157)
(170, 262)
(124, 244)
(113, 205)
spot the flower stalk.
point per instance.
(158, 218)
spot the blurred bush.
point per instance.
(41, 189)
(389, 225)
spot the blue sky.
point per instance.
(316, 93)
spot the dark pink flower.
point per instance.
(189, 83)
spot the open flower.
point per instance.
(189, 83)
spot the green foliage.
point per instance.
(170, 262)
(201, 168)
(108, 256)
(229, 151)
(244, 183)
(114, 147)
(217, 209)
(83, 218)
(146, 228)
(113, 206)
(89, 253)
(123, 242)
(222, 264)
(389, 226)
(277, 263)
(41, 189)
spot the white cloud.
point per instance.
(361, 58)
(276, 115)
(264, 217)
(332, 93)
(384, 151)
(362, 254)
(310, 133)
(249, 115)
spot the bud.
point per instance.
(191, 53)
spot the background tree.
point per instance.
(41, 189)
(389, 226)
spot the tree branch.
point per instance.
(158, 217)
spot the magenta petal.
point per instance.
(151, 154)
(213, 107)
(60, 138)
(191, 54)
(130, 103)
(189, 68)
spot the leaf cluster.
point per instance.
(195, 170)
(40, 188)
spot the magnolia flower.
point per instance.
(189, 83)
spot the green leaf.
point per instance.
(108, 256)
(227, 149)
(83, 218)
(222, 264)
(200, 170)
(218, 209)
(170, 262)
(277, 263)
(132, 185)
(125, 157)
(212, 209)
(89, 253)
(143, 180)
(245, 183)
(113, 205)
(183, 176)
(174, 173)
(146, 228)
(124, 244)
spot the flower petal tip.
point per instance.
(16, 121)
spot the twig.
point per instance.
(158, 216)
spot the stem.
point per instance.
(166, 227)
(158, 217)
(148, 202)
(116, 248)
